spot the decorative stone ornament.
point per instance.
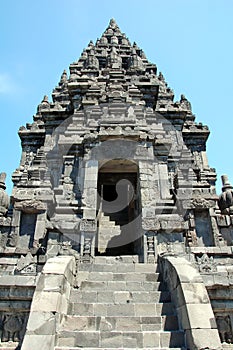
(4, 198)
(226, 198)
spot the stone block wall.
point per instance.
(50, 303)
(192, 303)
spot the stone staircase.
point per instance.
(119, 304)
(107, 230)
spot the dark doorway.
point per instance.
(109, 192)
(118, 201)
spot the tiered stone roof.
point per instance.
(114, 64)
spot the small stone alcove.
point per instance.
(27, 229)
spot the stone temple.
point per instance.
(114, 237)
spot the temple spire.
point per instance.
(113, 24)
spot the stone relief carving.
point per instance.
(206, 264)
(26, 265)
(8, 238)
(225, 201)
(150, 223)
(12, 325)
(66, 249)
(223, 220)
(4, 198)
(30, 206)
(191, 235)
(224, 328)
(201, 203)
(88, 225)
(5, 221)
(87, 249)
(150, 241)
(218, 238)
(69, 195)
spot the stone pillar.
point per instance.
(88, 226)
(40, 229)
(149, 193)
(89, 199)
(88, 230)
(15, 225)
(163, 181)
(150, 249)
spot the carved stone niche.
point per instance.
(29, 219)
(27, 230)
(204, 232)
(224, 328)
(13, 326)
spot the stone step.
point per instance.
(118, 286)
(128, 259)
(115, 276)
(118, 267)
(107, 220)
(143, 339)
(131, 309)
(9, 345)
(119, 297)
(107, 348)
(166, 210)
(120, 323)
(108, 225)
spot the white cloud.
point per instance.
(7, 84)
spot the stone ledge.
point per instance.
(18, 281)
(211, 250)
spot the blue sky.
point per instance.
(189, 40)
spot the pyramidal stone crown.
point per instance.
(111, 69)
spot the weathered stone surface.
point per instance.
(119, 318)
(42, 342)
(61, 265)
(114, 166)
(42, 323)
(194, 311)
(204, 338)
(50, 301)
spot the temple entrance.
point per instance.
(118, 209)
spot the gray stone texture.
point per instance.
(79, 248)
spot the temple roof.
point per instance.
(112, 91)
(113, 68)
